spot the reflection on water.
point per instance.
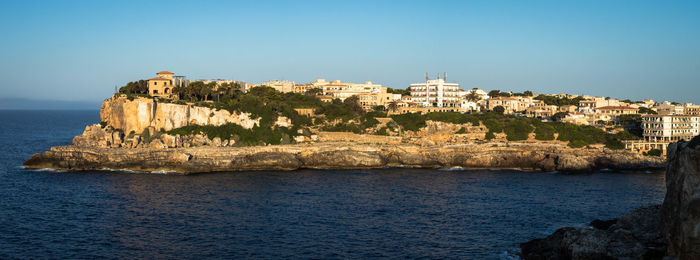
(300, 214)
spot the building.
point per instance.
(343, 90)
(576, 118)
(479, 92)
(597, 102)
(280, 85)
(181, 81)
(468, 106)
(668, 108)
(162, 85)
(541, 110)
(370, 100)
(435, 93)
(691, 109)
(660, 130)
(239, 85)
(510, 104)
(670, 128)
(615, 111)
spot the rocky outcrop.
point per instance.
(636, 235)
(340, 155)
(142, 113)
(681, 209)
(668, 231)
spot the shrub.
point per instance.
(517, 130)
(490, 135)
(494, 125)
(410, 121)
(461, 131)
(544, 132)
(654, 152)
(499, 109)
(577, 143)
(381, 131)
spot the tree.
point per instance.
(528, 93)
(353, 103)
(644, 110)
(498, 93)
(314, 92)
(472, 96)
(559, 116)
(393, 105)
(403, 92)
(499, 109)
(135, 87)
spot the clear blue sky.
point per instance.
(79, 50)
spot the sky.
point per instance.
(81, 50)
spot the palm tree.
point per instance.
(472, 96)
(393, 105)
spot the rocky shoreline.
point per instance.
(667, 231)
(342, 155)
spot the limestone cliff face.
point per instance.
(681, 209)
(142, 113)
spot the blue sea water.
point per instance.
(392, 213)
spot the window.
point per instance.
(155, 83)
(155, 91)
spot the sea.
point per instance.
(303, 214)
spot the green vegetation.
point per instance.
(554, 100)
(519, 128)
(135, 87)
(631, 123)
(644, 110)
(498, 93)
(544, 132)
(243, 137)
(654, 152)
(382, 131)
(347, 116)
(403, 92)
(461, 131)
(499, 109)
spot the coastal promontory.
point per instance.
(142, 134)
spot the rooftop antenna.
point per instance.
(426, 76)
(444, 76)
(438, 75)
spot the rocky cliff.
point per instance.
(143, 113)
(341, 155)
(680, 215)
(668, 231)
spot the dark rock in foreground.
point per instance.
(636, 235)
(668, 231)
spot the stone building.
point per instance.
(370, 100)
(162, 85)
(280, 85)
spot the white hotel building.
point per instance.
(660, 130)
(435, 93)
(670, 128)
